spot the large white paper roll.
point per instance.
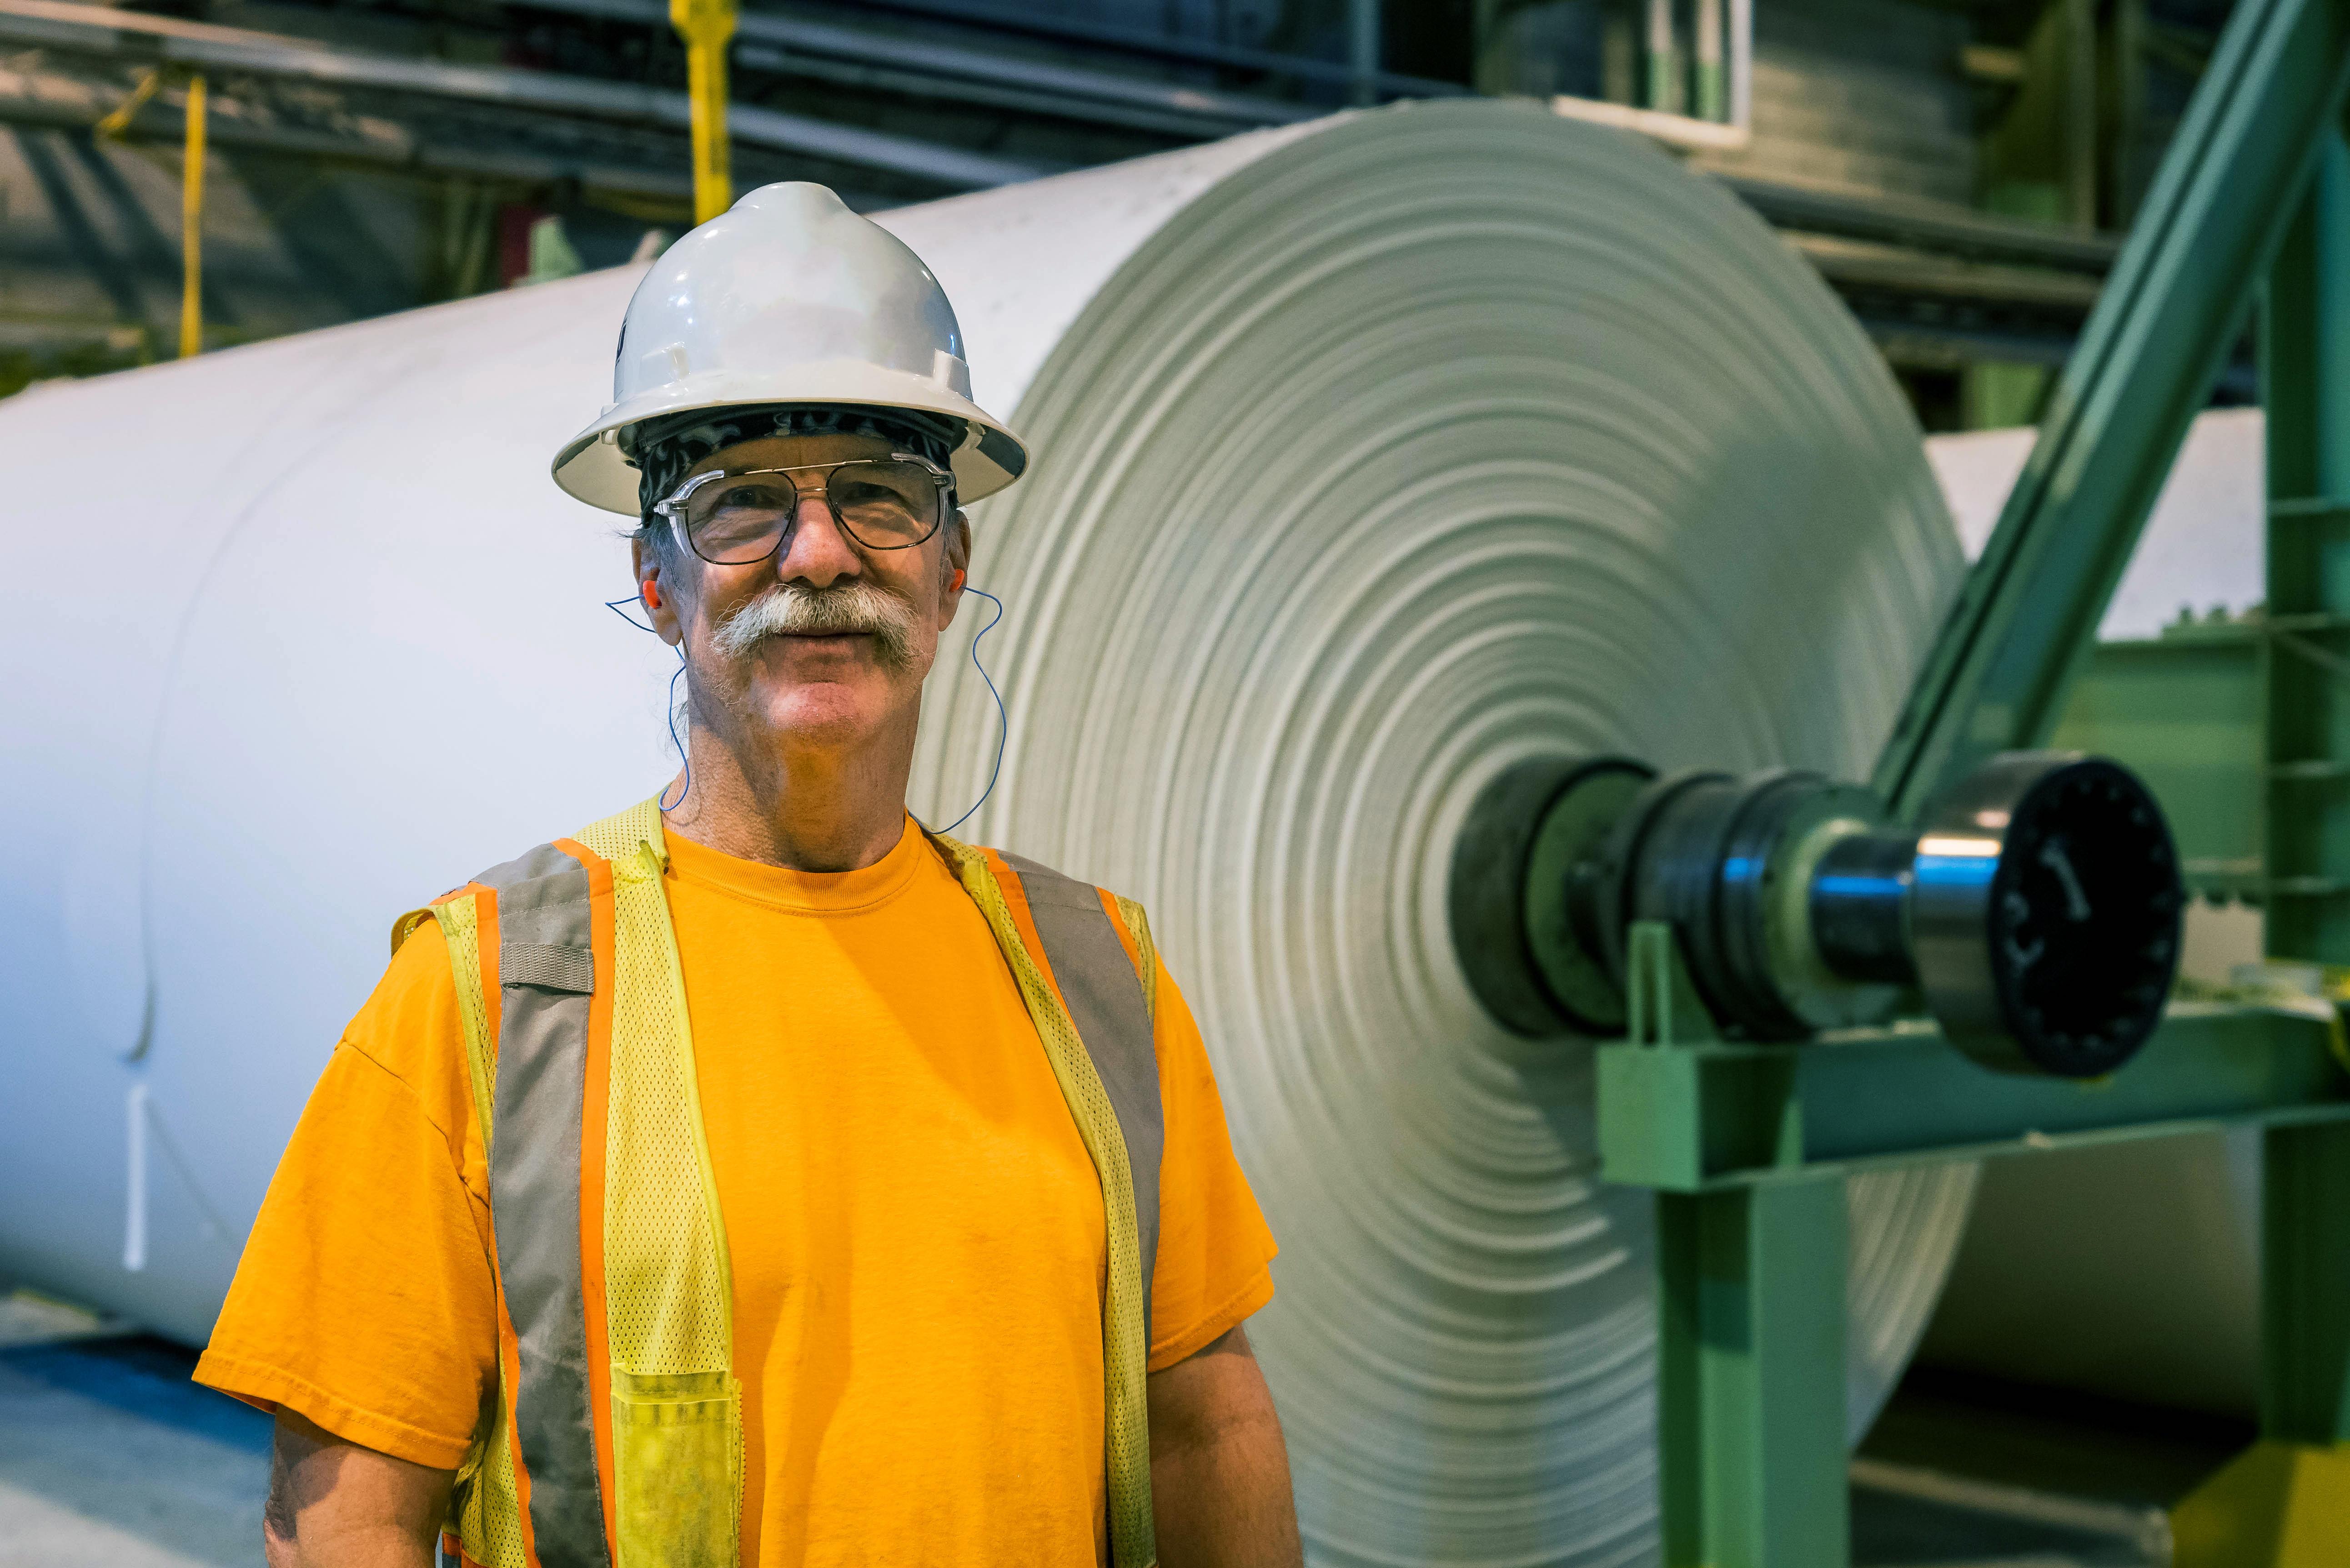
(1435, 440)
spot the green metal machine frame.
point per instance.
(2184, 711)
(1748, 1145)
(2238, 176)
(1747, 1148)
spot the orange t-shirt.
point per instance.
(916, 1229)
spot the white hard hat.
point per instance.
(788, 298)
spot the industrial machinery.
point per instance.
(1410, 486)
(1722, 927)
(2036, 913)
(1375, 458)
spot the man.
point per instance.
(753, 1176)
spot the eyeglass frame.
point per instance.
(673, 506)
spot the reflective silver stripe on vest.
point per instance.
(546, 969)
(1104, 996)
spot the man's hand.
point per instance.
(1218, 1470)
(333, 1504)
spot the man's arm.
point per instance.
(334, 1504)
(1218, 1470)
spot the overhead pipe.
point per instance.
(707, 27)
(1016, 89)
(67, 103)
(106, 32)
(1706, 109)
(1709, 86)
(191, 225)
(1661, 56)
(1363, 23)
(1153, 46)
(1212, 112)
(1742, 64)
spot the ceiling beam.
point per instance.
(129, 35)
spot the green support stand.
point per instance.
(1749, 1376)
(2305, 1287)
(1748, 1147)
(1750, 1334)
(2305, 388)
(2285, 1503)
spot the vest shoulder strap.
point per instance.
(543, 908)
(1096, 961)
(521, 952)
(620, 836)
(663, 1295)
(1081, 981)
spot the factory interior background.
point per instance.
(1959, 173)
(2079, 1345)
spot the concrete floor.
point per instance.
(110, 1458)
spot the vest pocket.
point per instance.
(677, 1467)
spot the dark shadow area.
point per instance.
(1890, 1531)
(2052, 1440)
(39, 150)
(323, 234)
(153, 253)
(1961, 1468)
(110, 1454)
(144, 1377)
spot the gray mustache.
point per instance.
(845, 607)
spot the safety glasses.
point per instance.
(733, 517)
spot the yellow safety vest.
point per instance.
(615, 1440)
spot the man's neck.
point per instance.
(806, 808)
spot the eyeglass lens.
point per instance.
(883, 504)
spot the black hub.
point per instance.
(2036, 916)
(2045, 914)
(1528, 830)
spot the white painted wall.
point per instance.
(2204, 547)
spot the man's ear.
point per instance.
(655, 589)
(957, 551)
(954, 562)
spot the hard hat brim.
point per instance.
(592, 467)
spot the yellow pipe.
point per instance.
(192, 227)
(117, 125)
(707, 27)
